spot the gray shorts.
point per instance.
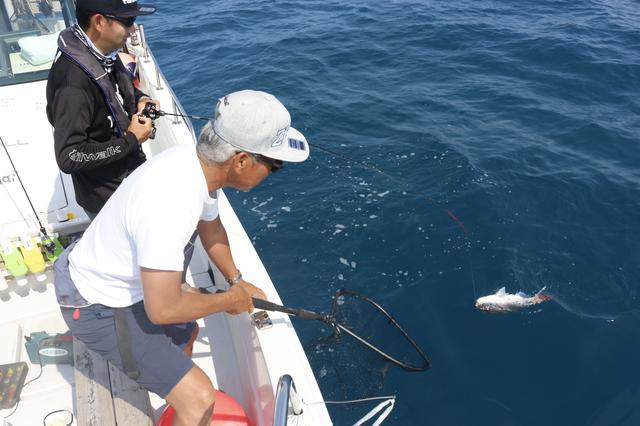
(156, 349)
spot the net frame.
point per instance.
(339, 328)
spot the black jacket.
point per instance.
(87, 144)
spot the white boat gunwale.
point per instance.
(250, 372)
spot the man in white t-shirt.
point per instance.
(120, 287)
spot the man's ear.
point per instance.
(98, 22)
(241, 160)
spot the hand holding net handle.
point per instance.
(300, 313)
(305, 314)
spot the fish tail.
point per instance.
(542, 296)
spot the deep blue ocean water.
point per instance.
(519, 118)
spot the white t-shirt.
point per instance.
(147, 222)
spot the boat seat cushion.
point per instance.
(38, 50)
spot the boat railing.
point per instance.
(287, 401)
(147, 57)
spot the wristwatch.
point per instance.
(236, 279)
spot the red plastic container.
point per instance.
(226, 412)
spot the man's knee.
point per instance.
(197, 411)
(204, 397)
(193, 398)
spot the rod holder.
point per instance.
(176, 119)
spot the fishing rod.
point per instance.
(47, 242)
(195, 117)
(151, 111)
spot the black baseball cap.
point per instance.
(120, 8)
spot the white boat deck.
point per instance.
(245, 362)
(241, 360)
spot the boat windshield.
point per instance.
(28, 37)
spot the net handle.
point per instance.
(306, 314)
(300, 313)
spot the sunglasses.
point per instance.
(273, 164)
(127, 22)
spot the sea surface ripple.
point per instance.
(518, 119)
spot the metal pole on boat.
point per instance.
(286, 397)
(143, 42)
(176, 116)
(158, 78)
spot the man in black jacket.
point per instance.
(92, 104)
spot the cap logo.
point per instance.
(129, 1)
(297, 144)
(280, 137)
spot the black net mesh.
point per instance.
(370, 325)
(359, 362)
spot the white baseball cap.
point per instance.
(258, 123)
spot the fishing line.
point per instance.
(348, 159)
(15, 204)
(47, 242)
(367, 166)
(404, 185)
(360, 163)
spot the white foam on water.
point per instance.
(344, 261)
(286, 209)
(323, 372)
(382, 194)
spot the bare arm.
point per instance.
(166, 303)
(216, 243)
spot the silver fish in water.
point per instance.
(503, 302)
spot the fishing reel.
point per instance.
(151, 111)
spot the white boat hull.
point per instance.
(241, 360)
